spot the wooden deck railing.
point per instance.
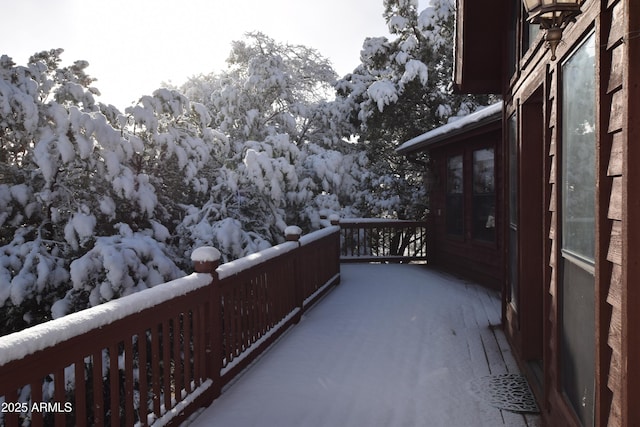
(382, 240)
(157, 356)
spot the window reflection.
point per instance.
(579, 141)
(484, 222)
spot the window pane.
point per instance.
(483, 173)
(454, 174)
(484, 223)
(455, 218)
(576, 289)
(532, 33)
(579, 142)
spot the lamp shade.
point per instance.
(553, 16)
(540, 10)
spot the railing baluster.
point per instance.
(261, 310)
(155, 369)
(199, 345)
(188, 342)
(228, 309)
(80, 394)
(177, 358)
(166, 365)
(276, 298)
(143, 383)
(37, 418)
(11, 417)
(59, 396)
(244, 312)
(237, 314)
(98, 389)
(128, 380)
(114, 385)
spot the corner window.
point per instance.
(455, 201)
(484, 201)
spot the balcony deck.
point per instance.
(392, 345)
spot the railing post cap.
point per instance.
(205, 259)
(205, 254)
(335, 219)
(292, 233)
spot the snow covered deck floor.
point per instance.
(392, 345)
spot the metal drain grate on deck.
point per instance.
(506, 391)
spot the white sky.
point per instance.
(134, 45)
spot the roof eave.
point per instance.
(491, 119)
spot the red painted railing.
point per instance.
(382, 240)
(159, 355)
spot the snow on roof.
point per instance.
(473, 120)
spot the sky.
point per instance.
(133, 46)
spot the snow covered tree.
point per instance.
(401, 89)
(96, 203)
(286, 144)
(43, 182)
(66, 178)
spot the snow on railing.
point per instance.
(158, 355)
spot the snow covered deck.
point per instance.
(392, 345)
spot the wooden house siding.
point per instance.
(552, 357)
(630, 224)
(609, 410)
(615, 25)
(612, 280)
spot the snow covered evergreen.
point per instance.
(401, 89)
(97, 203)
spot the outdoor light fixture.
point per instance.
(553, 16)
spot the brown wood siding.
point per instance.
(613, 106)
(552, 357)
(631, 216)
(617, 265)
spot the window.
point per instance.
(577, 281)
(578, 154)
(455, 201)
(484, 201)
